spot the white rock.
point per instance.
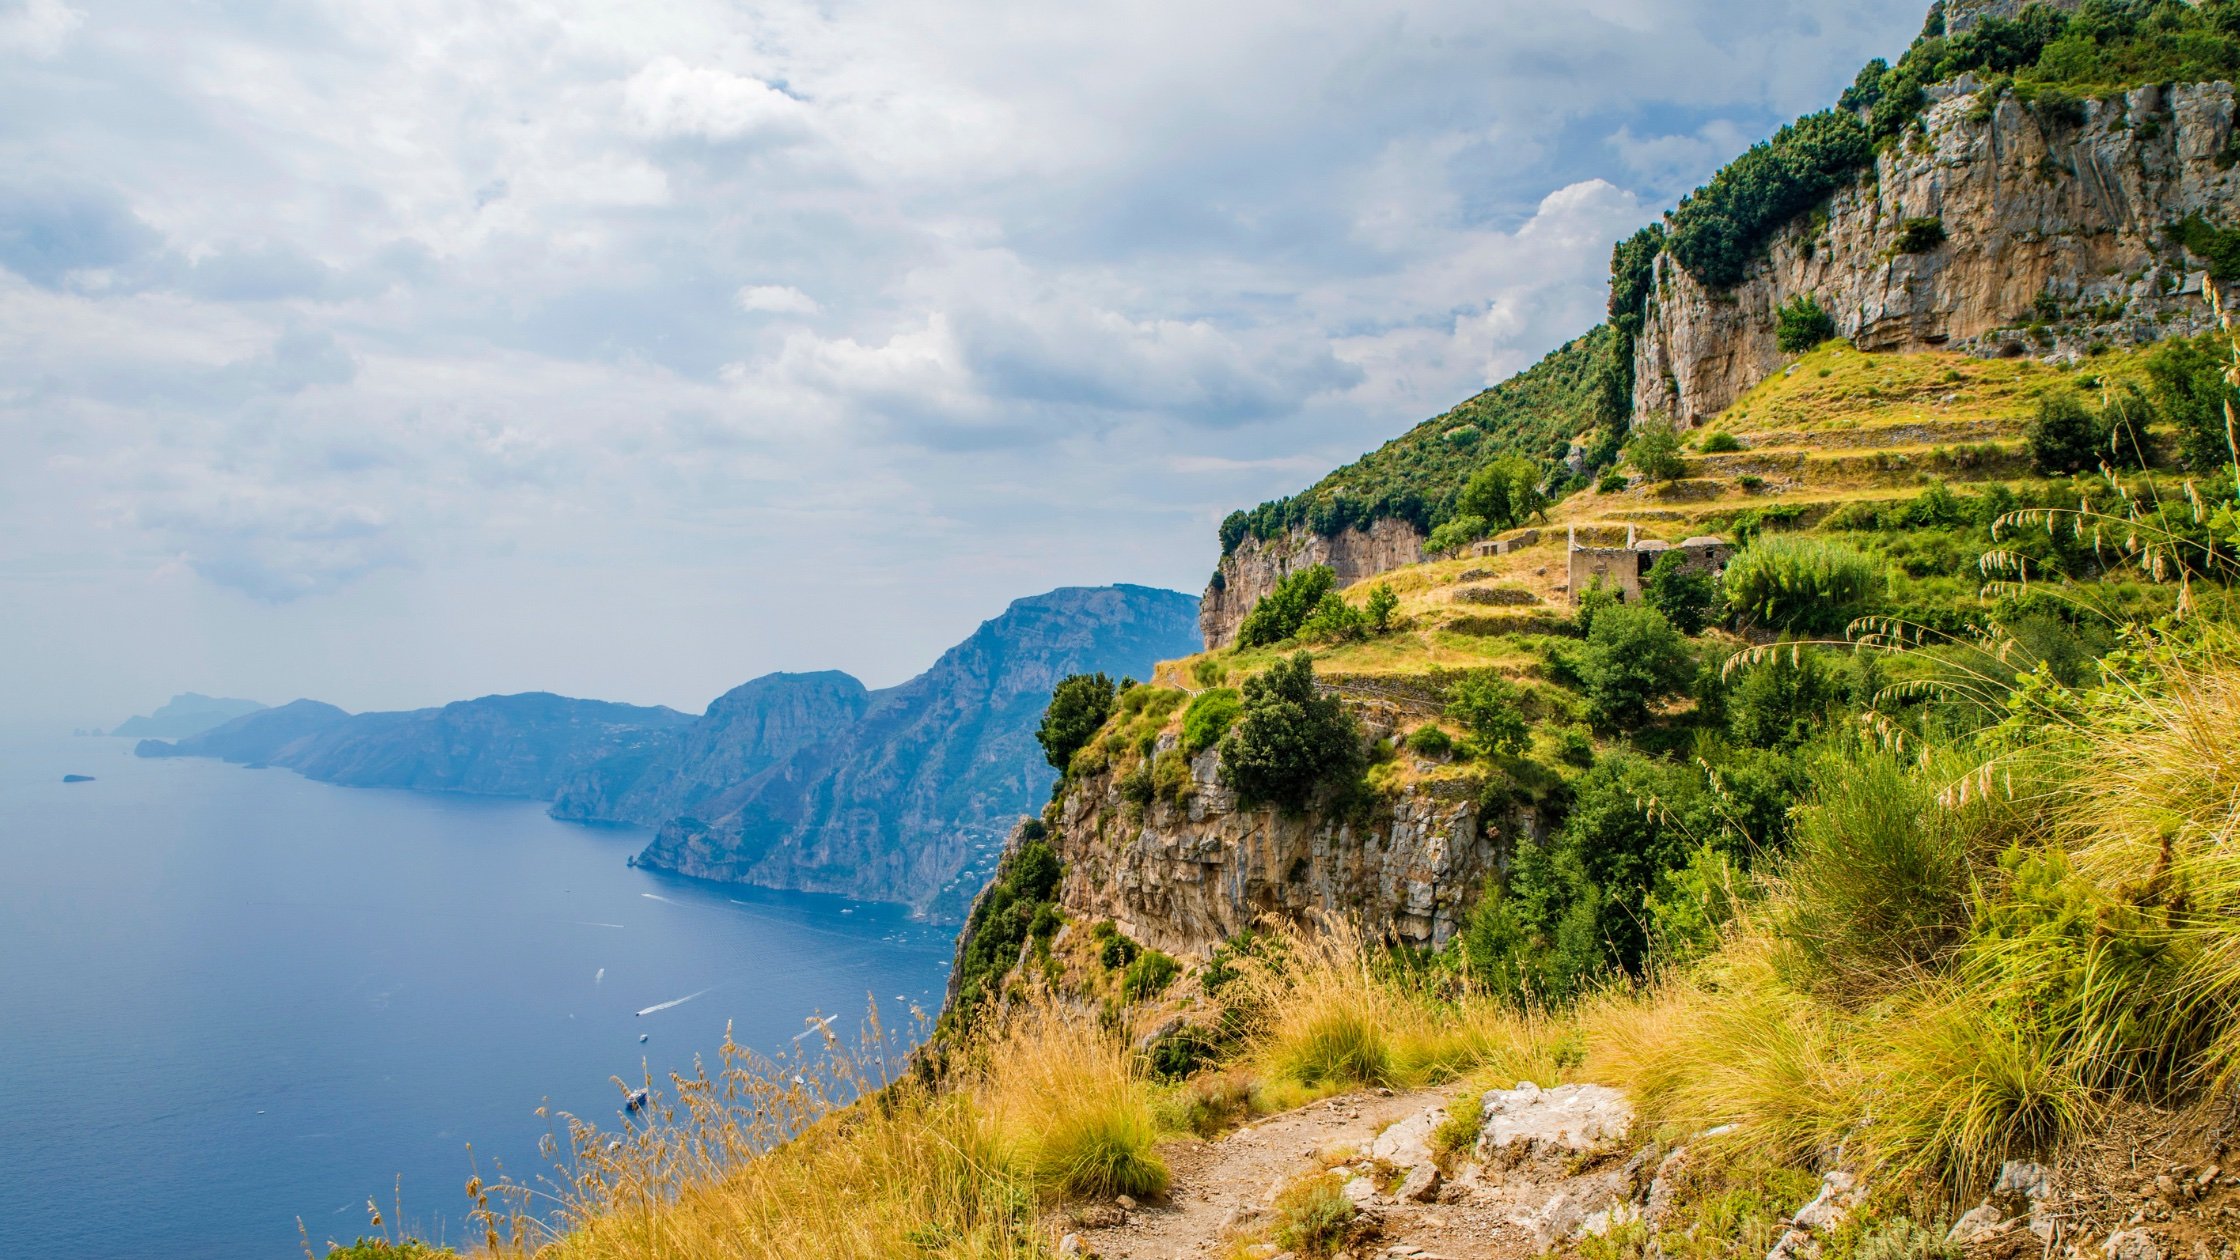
(1421, 1185)
(2132, 1244)
(1530, 1123)
(1408, 1142)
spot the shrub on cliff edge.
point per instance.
(1289, 740)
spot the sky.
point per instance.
(398, 352)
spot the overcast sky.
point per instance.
(398, 352)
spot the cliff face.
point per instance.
(1254, 568)
(911, 802)
(746, 730)
(2031, 204)
(1184, 878)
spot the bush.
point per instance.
(1114, 949)
(1382, 605)
(1632, 659)
(1431, 741)
(1277, 615)
(1003, 918)
(2065, 437)
(2190, 389)
(1610, 482)
(1455, 534)
(1079, 705)
(1289, 740)
(1720, 443)
(1209, 717)
(1335, 621)
(1655, 451)
(1801, 324)
(1880, 879)
(1919, 236)
(1783, 700)
(2125, 420)
(1800, 583)
(1315, 1220)
(1720, 229)
(1150, 973)
(1686, 595)
(1488, 706)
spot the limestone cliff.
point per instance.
(1186, 877)
(2049, 216)
(1254, 567)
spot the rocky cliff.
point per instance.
(1254, 567)
(911, 802)
(2056, 223)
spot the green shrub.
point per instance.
(1004, 917)
(1633, 658)
(1170, 776)
(1505, 492)
(1079, 705)
(1209, 717)
(2218, 247)
(1751, 482)
(1574, 746)
(383, 1249)
(1289, 740)
(1431, 741)
(1315, 1220)
(2125, 419)
(1801, 324)
(1277, 615)
(1719, 443)
(2190, 389)
(1654, 451)
(1150, 973)
(1784, 700)
(1879, 882)
(1610, 482)
(1489, 707)
(1919, 236)
(1686, 595)
(1382, 605)
(1335, 621)
(1455, 534)
(1114, 949)
(1720, 229)
(2065, 437)
(1800, 583)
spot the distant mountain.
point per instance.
(188, 713)
(806, 781)
(522, 746)
(910, 800)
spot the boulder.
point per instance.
(1533, 1125)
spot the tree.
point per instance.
(2190, 389)
(1489, 707)
(1655, 450)
(1505, 492)
(2065, 436)
(2126, 419)
(1800, 325)
(1334, 621)
(1289, 739)
(1277, 615)
(1784, 700)
(1382, 605)
(1079, 705)
(1633, 658)
(1685, 595)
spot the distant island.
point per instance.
(77, 778)
(188, 713)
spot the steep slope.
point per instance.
(745, 731)
(911, 802)
(188, 713)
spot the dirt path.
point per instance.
(1222, 1189)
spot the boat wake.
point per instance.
(662, 1006)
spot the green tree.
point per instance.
(1382, 605)
(1277, 615)
(1078, 706)
(1800, 325)
(1633, 658)
(1491, 709)
(2190, 389)
(1505, 492)
(1289, 739)
(1684, 594)
(1209, 717)
(2065, 437)
(1335, 621)
(2127, 419)
(1783, 701)
(1655, 450)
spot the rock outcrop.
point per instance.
(1255, 566)
(2044, 213)
(1184, 878)
(188, 713)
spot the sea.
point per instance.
(237, 1005)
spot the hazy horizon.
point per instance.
(393, 355)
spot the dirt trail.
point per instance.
(1222, 1189)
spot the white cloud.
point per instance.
(670, 98)
(38, 28)
(776, 299)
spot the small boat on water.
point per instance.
(642, 1038)
(636, 1101)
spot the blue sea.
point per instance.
(231, 999)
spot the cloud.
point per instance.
(38, 28)
(669, 98)
(263, 272)
(776, 299)
(46, 233)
